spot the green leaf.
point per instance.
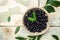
(34, 15)
(20, 38)
(32, 18)
(55, 36)
(9, 19)
(49, 1)
(32, 37)
(17, 29)
(38, 37)
(49, 8)
(55, 3)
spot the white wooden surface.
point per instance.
(16, 9)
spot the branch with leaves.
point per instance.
(38, 37)
(50, 4)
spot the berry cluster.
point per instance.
(40, 23)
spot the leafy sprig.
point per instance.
(51, 4)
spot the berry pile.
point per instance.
(41, 20)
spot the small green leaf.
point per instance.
(49, 8)
(32, 18)
(17, 29)
(55, 36)
(49, 1)
(32, 37)
(9, 18)
(20, 38)
(38, 37)
(55, 3)
(34, 15)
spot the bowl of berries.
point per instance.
(36, 21)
